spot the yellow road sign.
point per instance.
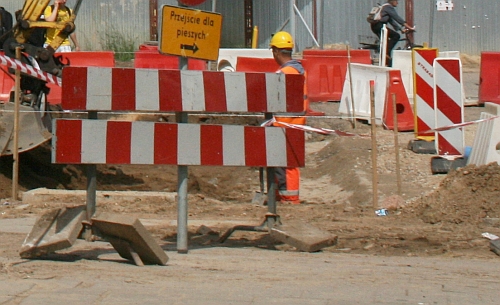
(190, 33)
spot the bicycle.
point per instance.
(372, 43)
(409, 41)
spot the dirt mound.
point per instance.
(468, 195)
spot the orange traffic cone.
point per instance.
(406, 121)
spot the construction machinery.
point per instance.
(34, 127)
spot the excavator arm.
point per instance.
(28, 21)
(35, 118)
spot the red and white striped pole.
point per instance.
(448, 96)
(423, 99)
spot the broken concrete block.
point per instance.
(128, 236)
(204, 230)
(304, 237)
(55, 230)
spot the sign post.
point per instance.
(190, 33)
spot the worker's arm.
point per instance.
(75, 41)
(407, 26)
(53, 14)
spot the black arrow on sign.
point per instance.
(193, 48)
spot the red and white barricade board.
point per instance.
(125, 89)
(449, 108)
(423, 101)
(95, 141)
(124, 142)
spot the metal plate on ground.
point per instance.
(495, 246)
(441, 165)
(55, 230)
(32, 131)
(303, 236)
(422, 147)
(127, 235)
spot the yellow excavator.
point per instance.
(28, 35)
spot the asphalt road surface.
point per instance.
(93, 273)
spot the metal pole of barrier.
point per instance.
(91, 189)
(431, 24)
(182, 202)
(374, 145)
(271, 195)
(182, 185)
(271, 189)
(15, 153)
(396, 143)
(350, 85)
(321, 14)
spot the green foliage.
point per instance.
(123, 46)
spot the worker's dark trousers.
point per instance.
(288, 182)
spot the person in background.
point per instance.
(389, 15)
(288, 179)
(225, 66)
(59, 12)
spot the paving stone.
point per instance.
(55, 230)
(127, 233)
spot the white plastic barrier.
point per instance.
(362, 75)
(486, 147)
(231, 55)
(449, 54)
(401, 60)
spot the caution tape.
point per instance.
(458, 125)
(308, 128)
(29, 70)
(348, 134)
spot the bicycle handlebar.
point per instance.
(410, 29)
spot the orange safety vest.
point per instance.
(288, 179)
(299, 120)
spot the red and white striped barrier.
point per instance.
(120, 142)
(449, 106)
(119, 89)
(423, 77)
(29, 70)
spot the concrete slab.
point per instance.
(42, 195)
(303, 236)
(24, 225)
(128, 235)
(17, 225)
(55, 230)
